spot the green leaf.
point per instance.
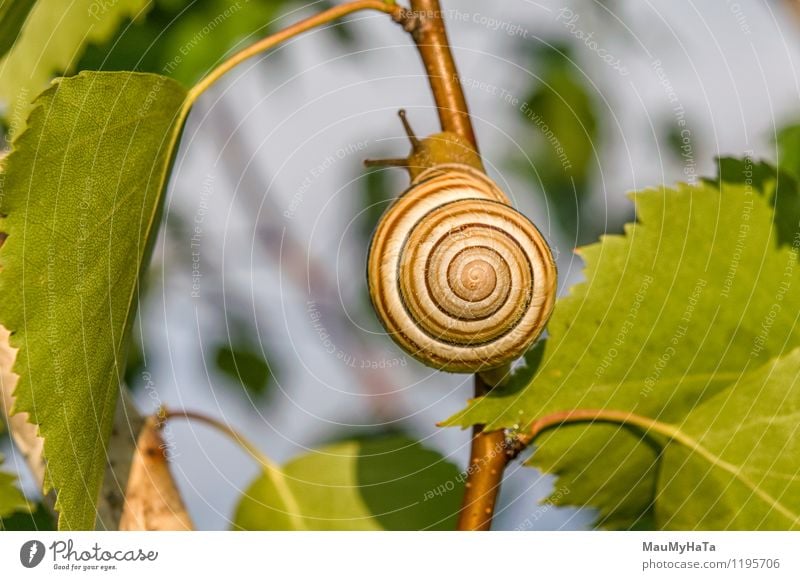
(35, 518)
(83, 191)
(389, 483)
(184, 40)
(12, 16)
(748, 478)
(695, 298)
(758, 176)
(788, 142)
(244, 366)
(135, 358)
(52, 40)
(11, 498)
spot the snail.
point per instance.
(459, 279)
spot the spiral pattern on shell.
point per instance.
(459, 279)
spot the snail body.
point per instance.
(459, 279)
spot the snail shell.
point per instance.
(459, 279)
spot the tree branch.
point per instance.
(285, 34)
(490, 451)
(425, 22)
(489, 456)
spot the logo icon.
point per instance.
(31, 553)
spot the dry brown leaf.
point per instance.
(152, 501)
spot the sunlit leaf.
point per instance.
(387, 483)
(82, 199)
(52, 41)
(184, 39)
(692, 301)
(749, 479)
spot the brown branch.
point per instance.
(488, 459)
(320, 19)
(794, 6)
(425, 22)
(490, 452)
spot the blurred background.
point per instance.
(255, 308)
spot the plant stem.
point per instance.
(488, 459)
(489, 454)
(305, 25)
(426, 25)
(223, 428)
(273, 471)
(594, 415)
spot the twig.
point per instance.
(271, 469)
(489, 454)
(426, 25)
(225, 429)
(794, 6)
(272, 40)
